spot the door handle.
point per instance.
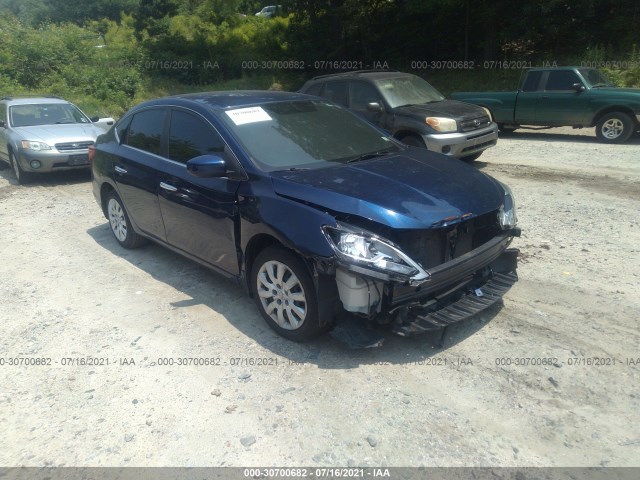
(120, 170)
(169, 188)
(545, 97)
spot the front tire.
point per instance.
(614, 127)
(506, 130)
(21, 176)
(120, 224)
(285, 295)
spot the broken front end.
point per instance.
(426, 279)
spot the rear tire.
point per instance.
(21, 176)
(120, 224)
(614, 127)
(285, 295)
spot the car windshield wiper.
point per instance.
(293, 169)
(416, 104)
(367, 156)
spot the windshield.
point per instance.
(304, 134)
(45, 114)
(595, 77)
(407, 90)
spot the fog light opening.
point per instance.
(35, 164)
(446, 149)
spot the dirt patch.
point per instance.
(152, 360)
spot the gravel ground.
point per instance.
(68, 291)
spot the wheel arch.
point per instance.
(260, 242)
(400, 134)
(105, 189)
(614, 108)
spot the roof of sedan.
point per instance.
(233, 99)
(374, 74)
(33, 100)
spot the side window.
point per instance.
(336, 92)
(122, 128)
(532, 81)
(146, 130)
(314, 89)
(362, 94)
(561, 80)
(190, 136)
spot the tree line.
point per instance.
(115, 51)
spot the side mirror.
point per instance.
(102, 121)
(374, 107)
(2, 124)
(578, 87)
(206, 166)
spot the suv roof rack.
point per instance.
(351, 72)
(11, 97)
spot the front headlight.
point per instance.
(507, 213)
(36, 146)
(371, 252)
(442, 124)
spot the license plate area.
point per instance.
(75, 160)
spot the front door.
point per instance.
(560, 103)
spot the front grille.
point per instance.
(433, 247)
(66, 147)
(475, 123)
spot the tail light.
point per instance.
(92, 152)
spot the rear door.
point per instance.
(199, 213)
(136, 169)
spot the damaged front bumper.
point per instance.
(484, 290)
(454, 291)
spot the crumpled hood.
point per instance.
(52, 134)
(412, 189)
(445, 108)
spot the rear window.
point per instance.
(146, 129)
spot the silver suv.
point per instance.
(411, 109)
(43, 134)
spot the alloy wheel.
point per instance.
(117, 220)
(282, 295)
(612, 128)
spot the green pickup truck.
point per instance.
(564, 96)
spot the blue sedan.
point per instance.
(319, 214)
